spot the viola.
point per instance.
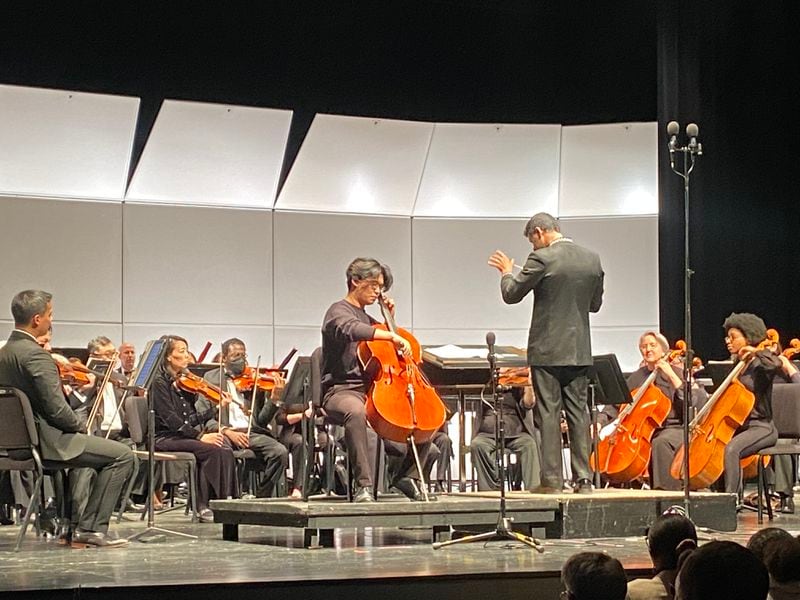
(194, 384)
(401, 403)
(72, 371)
(624, 447)
(514, 377)
(714, 426)
(265, 381)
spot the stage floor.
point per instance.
(396, 563)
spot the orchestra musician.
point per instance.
(179, 429)
(236, 419)
(127, 359)
(346, 323)
(785, 466)
(744, 331)
(567, 283)
(291, 418)
(24, 364)
(519, 434)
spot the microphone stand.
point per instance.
(689, 151)
(503, 529)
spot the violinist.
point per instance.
(179, 429)
(519, 434)
(236, 418)
(108, 417)
(346, 323)
(743, 331)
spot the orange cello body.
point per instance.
(400, 401)
(624, 455)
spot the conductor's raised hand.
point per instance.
(501, 262)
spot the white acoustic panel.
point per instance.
(454, 287)
(70, 249)
(197, 265)
(312, 252)
(73, 335)
(357, 165)
(622, 341)
(257, 339)
(62, 143)
(609, 169)
(212, 154)
(305, 339)
(491, 171)
(628, 249)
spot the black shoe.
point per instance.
(364, 494)
(95, 538)
(787, 505)
(438, 487)
(583, 486)
(206, 515)
(410, 488)
(132, 507)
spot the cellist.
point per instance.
(345, 325)
(744, 331)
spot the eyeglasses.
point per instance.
(372, 283)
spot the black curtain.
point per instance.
(732, 69)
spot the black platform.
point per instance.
(605, 513)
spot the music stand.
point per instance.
(143, 377)
(607, 385)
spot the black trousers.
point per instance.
(562, 388)
(275, 457)
(112, 464)
(665, 444)
(483, 450)
(344, 405)
(751, 437)
(440, 454)
(216, 468)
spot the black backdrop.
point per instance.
(731, 67)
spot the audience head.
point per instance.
(669, 536)
(722, 570)
(593, 576)
(761, 540)
(33, 311)
(782, 559)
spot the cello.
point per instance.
(624, 447)
(716, 423)
(401, 403)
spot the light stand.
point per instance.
(503, 529)
(691, 150)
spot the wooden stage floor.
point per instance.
(392, 562)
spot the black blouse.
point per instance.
(176, 416)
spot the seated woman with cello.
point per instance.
(743, 332)
(178, 429)
(344, 386)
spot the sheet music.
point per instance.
(452, 351)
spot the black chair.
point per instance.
(786, 416)
(19, 443)
(136, 412)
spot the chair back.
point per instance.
(136, 413)
(786, 410)
(18, 435)
(316, 377)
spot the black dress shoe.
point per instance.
(95, 538)
(364, 494)
(583, 486)
(787, 505)
(410, 488)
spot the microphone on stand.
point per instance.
(692, 131)
(491, 357)
(672, 130)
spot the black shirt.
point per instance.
(513, 426)
(662, 382)
(176, 416)
(757, 378)
(343, 328)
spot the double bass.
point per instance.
(401, 403)
(624, 447)
(715, 425)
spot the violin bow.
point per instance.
(222, 387)
(253, 398)
(101, 389)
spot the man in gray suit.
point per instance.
(567, 284)
(27, 366)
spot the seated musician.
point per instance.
(519, 437)
(785, 466)
(236, 417)
(291, 419)
(127, 359)
(179, 429)
(25, 365)
(345, 325)
(440, 454)
(743, 331)
(109, 417)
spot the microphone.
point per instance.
(692, 131)
(672, 130)
(490, 339)
(492, 358)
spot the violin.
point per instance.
(194, 384)
(794, 348)
(72, 372)
(514, 377)
(624, 446)
(715, 425)
(264, 383)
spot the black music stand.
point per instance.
(503, 529)
(142, 377)
(607, 385)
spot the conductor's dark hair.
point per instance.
(594, 576)
(27, 304)
(544, 221)
(368, 268)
